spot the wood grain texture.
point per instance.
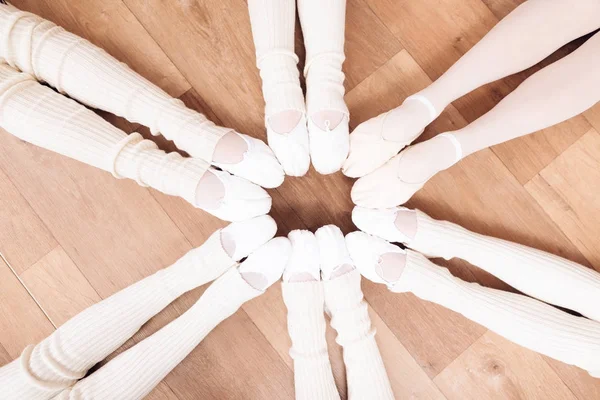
(567, 189)
(59, 287)
(112, 26)
(75, 235)
(24, 238)
(494, 368)
(22, 322)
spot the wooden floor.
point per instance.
(71, 235)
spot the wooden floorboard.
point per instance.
(73, 235)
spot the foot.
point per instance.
(230, 198)
(265, 266)
(377, 140)
(400, 178)
(329, 140)
(398, 225)
(376, 259)
(248, 158)
(289, 142)
(239, 239)
(303, 265)
(334, 257)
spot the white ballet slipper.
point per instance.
(366, 251)
(370, 149)
(329, 148)
(259, 164)
(243, 199)
(383, 188)
(333, 252)
(292, 149)
(249, 235)
(305, 256)
(269, 261)
(380, 222)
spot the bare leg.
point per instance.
(526, 36)
(523, 320)
(556, 93)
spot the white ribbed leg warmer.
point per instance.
(306, 326)
(523, 320)
(323, 27)
(65, 356)
(90, 75)
(273, 23)
(365, 372)
(134, 373)
(539, 274)
(39, 115)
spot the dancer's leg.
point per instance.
(323, 26)
(39, 115)
(304, 298)
(273, 23)
(534, 272)
(86, 339)
(134, 373)
(526, 36)
(556, 93)
(90, 75)
(523, 320)
(365, 372)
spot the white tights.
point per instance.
(558, 92)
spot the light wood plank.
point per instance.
(22, 322)
(4, 356)
(501, 8)
(567, 190)
(233, 362)
(111, 25)
(495, 368)
(593, 116)
(369, 44)
(59, 287)
(579, 381)
(24, 238)
(113, 230)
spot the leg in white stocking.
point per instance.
(526, 36)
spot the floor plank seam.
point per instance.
(27, 290)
